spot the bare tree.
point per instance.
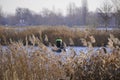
(105, 13)
(116, 4)
(1, 14)
(24, 16)
(2, 17)
(71, 9)
(74, 15)
(84, 12)
(92, 19)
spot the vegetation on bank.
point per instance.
(19, 63)
(51, 33)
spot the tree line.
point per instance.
(75, 16)
(24, 16)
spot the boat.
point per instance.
(58, 49)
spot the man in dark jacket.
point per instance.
(59, 43)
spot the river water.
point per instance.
(68, 49)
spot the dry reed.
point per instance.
(19, 62)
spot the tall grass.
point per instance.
(67, 34)
(19, 62)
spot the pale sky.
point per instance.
(9, 6)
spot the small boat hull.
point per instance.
(58, 50)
